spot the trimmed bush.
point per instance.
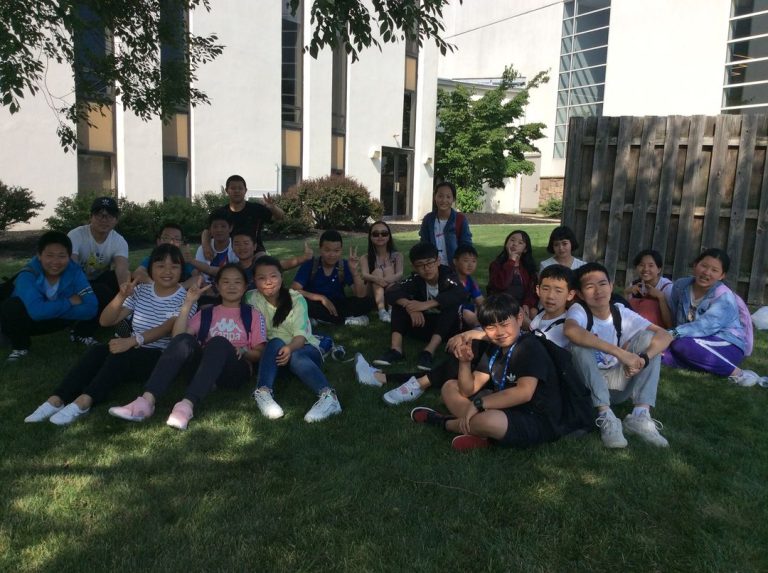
(469, 200)
(71, 212)
(337, 202)
(552, 207)
(17, 205)
(298, 220)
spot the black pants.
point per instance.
(445, 323)
(99, 371)
(447, 370)
(19, 327)
(217, 366)
(348, 306)
(105, 288)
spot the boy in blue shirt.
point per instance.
(322, 282)
(465, 263)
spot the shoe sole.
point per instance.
(424, 368)
(127, 418)
(475, 444)
(422, 409)
(382, 363)
(314, 420)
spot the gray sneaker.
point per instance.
(327, 405)
(406, 392)
(610, 431)
(266, 403)
(646, 428)
(746, 378)
(364, 372)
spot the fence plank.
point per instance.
(597, 185)
(724, 124)
(691, 182)
(667, 183)
(572, 170)
(647, 165)
(616, 213)
(760, 256)
(741, 193)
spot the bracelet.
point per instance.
(139, 339)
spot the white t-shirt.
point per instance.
(551, 329)
(440, 241)
(551, 261)
(631, 324)
(220, 258)
(96, 258)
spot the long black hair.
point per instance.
(372, 250)
(284, 302)
(526, 260)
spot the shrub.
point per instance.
(17, 205)
(71, 212)
(469, 200)
(336, 202)
(552, 207)
(298, 219)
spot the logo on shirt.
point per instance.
(229, 329)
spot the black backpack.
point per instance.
(206, 316)
(577, 416)
(615, 314)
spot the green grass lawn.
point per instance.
(369, 490)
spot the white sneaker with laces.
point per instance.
(326, 406)
(42, 413)
(610, 431)
(16, 355)
(406, 392)
(646, 428)
(746, 378)
(385, 315)
(68, 414)
(86, 340)
(364, 372)
(356, 321)
(266, 403)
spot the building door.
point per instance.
(396, 181)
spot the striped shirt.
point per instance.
(151, 310)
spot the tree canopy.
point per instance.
(153, 65)
(481, 140)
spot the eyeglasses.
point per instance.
(103, 215)
(425, 264)
(379, 233)
(167, 239)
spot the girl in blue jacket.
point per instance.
(49, 294)
(444, 227)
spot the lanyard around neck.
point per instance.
(503, 382)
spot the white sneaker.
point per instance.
(406, 392)
(326, 406)
(646, 428)
(610, 431)
(356, 321)
(385, 315)
(364, 372)
(16, 355)
(43, 412)
(746, 378)
(68, 414)
(86, 340)
(266, 403)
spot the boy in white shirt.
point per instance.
(555, 290)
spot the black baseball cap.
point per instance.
(107, 204)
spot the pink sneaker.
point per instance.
(466, 442)
(180, 416)
(136, 411)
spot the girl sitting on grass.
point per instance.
(154, 307)
(382, 266)
(513, 271)
(649, 292)
(291, 344)
(225, 341)
(562, 243)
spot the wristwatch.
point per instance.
(478, 403)
(139, 339)
(645, 358)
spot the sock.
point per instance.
(639, 410)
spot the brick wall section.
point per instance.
(550, 187)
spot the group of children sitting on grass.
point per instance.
(226, 313)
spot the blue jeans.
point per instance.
(306, 363)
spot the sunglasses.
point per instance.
(379, 233)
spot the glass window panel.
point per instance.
(754, 48)
(560, 133)
(586, 110)
(410, 74)
(592, 21)
(95, 173)
(100, 134)
(741, 7)
(565, 45)
(590, 40)
(559, 151)
(746, 95)
(568, 27)
(337, 153)
(753, 26)
(568, 9)
(562, 82)
(588, 76)
(592, 94)
(562, 98)
(749, 72)
(176, 136)
(175, 178)
(596, 57)
(562, 115)
(292, 147)
(565, 63)
(583, 6)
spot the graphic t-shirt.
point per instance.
(552, 328)
(151, 310)
(96, 258)
(227, 323)
(220, 258)
(440, 240)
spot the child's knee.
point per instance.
(640, 342)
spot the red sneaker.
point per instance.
(466, 442)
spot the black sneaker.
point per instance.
(389, 357)
(425, 361)
(424, 415)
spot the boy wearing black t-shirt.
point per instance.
(512, 398)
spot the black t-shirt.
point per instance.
(529, 358)
(252, 217)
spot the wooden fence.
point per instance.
(676, 184)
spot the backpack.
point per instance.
(577, 415)
(206, 316)
(316, 265)
(615, 314)
(745, 318)
(9, 283)
(558, 322)
(459, 226)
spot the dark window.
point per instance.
(741, 7)
(91, 47)
(291, 78)
(590, 40)
(746, 95)
(589, 58)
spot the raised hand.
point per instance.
(354, 260)
(196, 291)
(128, 288)
(308, 252)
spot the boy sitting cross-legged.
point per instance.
(426, 304)
(512, 397)
(618, 353)
(555, 291)
(322, 281)
(465, 263)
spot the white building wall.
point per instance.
(140, 159)
(317, 100)
(240, 132)
(426, 121)
(30, 154)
